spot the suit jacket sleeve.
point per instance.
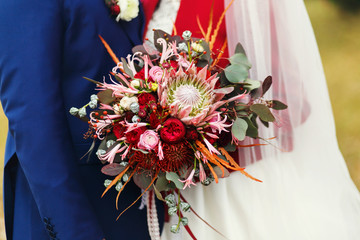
(30, 66)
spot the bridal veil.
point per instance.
(307, 192)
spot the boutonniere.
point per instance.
(123, 9)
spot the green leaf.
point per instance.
(158, 194)
(236, 73)
(266, 84)
(251, 84)
(239, 128)
(277, 105)
(106, 96)
(239, 49)
(263, 112)
(252, 130)
(230, 147)
(173, 177)
(240, 59)
(126, 68)
(162, 184)
(218, 172)
(142, 180)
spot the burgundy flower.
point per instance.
(134, 135)
(119, 130)
(129, 115)
(141, 75)
(154, 120)
(173, 131)
(146, 98)
(191, 134)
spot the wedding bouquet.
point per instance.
(169, 117)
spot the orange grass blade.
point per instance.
(152, 181)
(209, 29)
(251, 145)
(211, 157)
(175, 30)
(115, 180)
(216, 31)
(220, 54)
(200, 27)
(111, 53)
(213, 172)
(118, 195)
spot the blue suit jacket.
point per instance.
(46, 46)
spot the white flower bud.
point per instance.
(94, 97)
(110, 143)
(82, 112)
(136, 119)
(183, 47)
(134, 107)
(118, 186)
(129, 9)
(107, 182)
(100, 152)
(93, 104)
(135, 83)
(126, 101)
(186, 35)
(74, 111)
(197, 47)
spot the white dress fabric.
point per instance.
(307, 193)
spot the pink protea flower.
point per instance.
(189, 181)
(148, 140)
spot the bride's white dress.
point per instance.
(306, 192)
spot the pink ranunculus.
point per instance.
(156, 73)
(148, 140)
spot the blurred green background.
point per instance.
(338, 35)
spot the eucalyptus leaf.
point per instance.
(263, 112)
(106, 96)
(266, 84)
(142, 180)
(236, 73)
(112, 169)
(277, 105)
(239, 128)
(173, 177)
(266, 124)
(230, 147)
(240, 59)
(251, 84)
(162, 184)
(239, 49)
(158, 194)
(252, 130)
(126, 68)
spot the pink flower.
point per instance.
(202, 176)
(188, 182)
(156, 73)
(148, 140)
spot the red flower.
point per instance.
(134, 135)
(154, 120)
(146, 98)
(141, 75)
(115, 9)
(173, 131)
(119, 130)
(191, 134)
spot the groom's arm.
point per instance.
(31, 41)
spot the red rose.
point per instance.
(146, 98)
(119, 130)
(191, 134)
(129, 115)
(134, 135)
(173, 131)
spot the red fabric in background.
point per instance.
(186, 20)
(149, 8)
